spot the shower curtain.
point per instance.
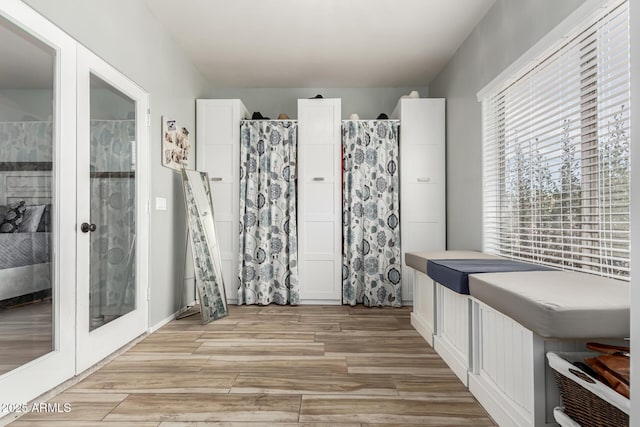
(113, 202)
(371, 227)
(268, 267)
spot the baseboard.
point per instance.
(448, 354)
(166, 320)
(320, 302)
(494, 402)
(423, 328)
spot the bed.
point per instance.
(25, 264)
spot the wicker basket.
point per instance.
(586, 400)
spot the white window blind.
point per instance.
(556, 154)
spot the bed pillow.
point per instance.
(31, 219)
(45, 220)
(13, 217)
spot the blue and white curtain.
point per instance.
(371, 227)
(268, 265)
(113, 206)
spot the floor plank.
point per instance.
(207, 407)
(389, 409)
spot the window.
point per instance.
(556, 154)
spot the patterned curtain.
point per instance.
(113, 208)
(26, 141)
(371, 228)
(268, 266)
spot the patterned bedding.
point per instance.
(20, 249)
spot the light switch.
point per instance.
(161, 204)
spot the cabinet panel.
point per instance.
(223, 197)
(423, 237)
(320, 123)
(229, 271)
(422, 121)
(215, 117)
(319, 238)
(219, 161)
(321, 201)
(319, 280)
(407, 284)
(319, 162)
(422, 202)
(224, 230)
(423, 163)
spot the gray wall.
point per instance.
(367, 102)
(507, 31)
(126, 35)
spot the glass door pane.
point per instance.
(27, 132)
(112, 203)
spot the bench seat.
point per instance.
(558, 304)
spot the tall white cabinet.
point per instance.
(422, 180)
(218, 154)
(320, 201)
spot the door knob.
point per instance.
(86, 227)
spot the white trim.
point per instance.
(168, 319)
(320, 302)
(422, 327)
(554, 39)
(634, 219)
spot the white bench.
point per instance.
(440, 315)
(518, 317)
(496, 339)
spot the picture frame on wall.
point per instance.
(175, 144)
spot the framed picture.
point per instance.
(175, 144)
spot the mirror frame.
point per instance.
(204, 245)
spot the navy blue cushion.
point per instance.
(454, 273)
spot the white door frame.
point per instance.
(44, 373)
(96, 345)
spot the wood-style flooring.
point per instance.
(25, 334)
(304, 366)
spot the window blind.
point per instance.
(556, 155)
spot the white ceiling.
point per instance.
(319, 43)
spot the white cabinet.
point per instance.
(320, 201)
(422, 180)
(218, 154)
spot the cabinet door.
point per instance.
(319, 202)
(422, 181)
(218, 145)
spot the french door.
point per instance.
(37, 175)
(112, 209)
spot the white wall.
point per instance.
(507, 31)
(635, 211)
(126, 35)
(367, 102)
